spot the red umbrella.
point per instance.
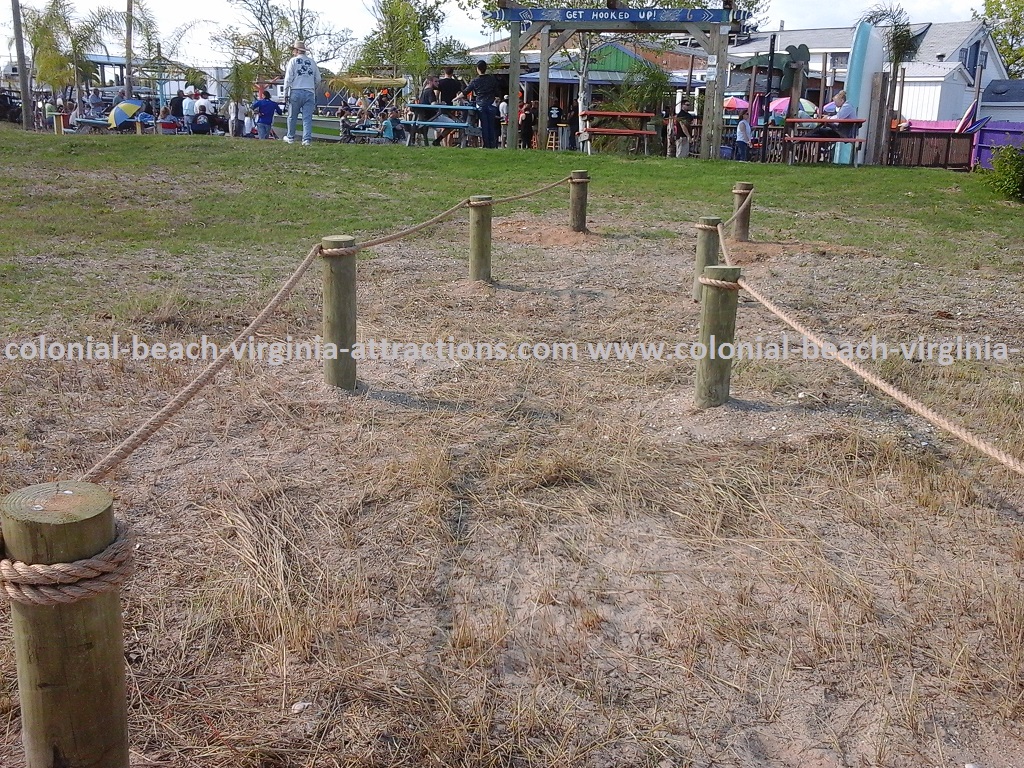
(734, 102)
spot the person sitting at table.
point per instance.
(844, 111)
(167, 123)
(201, 123)
(428, 96)
(393, 129)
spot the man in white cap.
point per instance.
(301, 83)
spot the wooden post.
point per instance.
(578, 200)
(480, 209)
(718, 335)
(340, 312)
(741, 226)
(70, 657)
(707, 250)
(514, 54)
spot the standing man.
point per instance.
(188, 110)
(484, 88)
(449, 86)
(176, 105)
(301, 82)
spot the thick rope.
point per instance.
(545, 188)
(161, 417)
(746, 204)
(65, 583)
(898, 395)
(719, 283)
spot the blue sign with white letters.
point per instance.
(631, 15)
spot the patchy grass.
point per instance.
(526, 563)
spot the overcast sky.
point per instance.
(797, 14)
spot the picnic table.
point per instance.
(466, 126)
(815, 147)
(623, 119)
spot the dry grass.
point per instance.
(527, 564)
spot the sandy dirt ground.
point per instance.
(559, 563)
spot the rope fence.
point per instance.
(905, 399)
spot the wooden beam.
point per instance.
(512, 129)
(560, 41)
(544, 102)
(529, 33)
(700, 35)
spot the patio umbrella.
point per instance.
(782, 105)
(734, 102)
(123, 112)
(968, 118)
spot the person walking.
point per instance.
(484, 88)
(301, 83)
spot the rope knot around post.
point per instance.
(724, 284)
(66, 558)
(66, 583)
(349, 251)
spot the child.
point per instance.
(742, 152)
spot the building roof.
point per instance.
(942, 40)
(939, 69)
(1004, 92)
(830, 39)
(933, 40)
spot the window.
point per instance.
(839, 61)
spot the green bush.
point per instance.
(1007, 174)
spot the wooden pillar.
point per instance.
(480, 237)
(544, 95)
(721, 34)
(741, 224)
(710, 91)
(707, 250)
(578, 200)
(718, 335)
(340, 312)
(70, 657)
(512, 129)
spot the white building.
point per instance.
(939, 80)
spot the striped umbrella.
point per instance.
(126, 110)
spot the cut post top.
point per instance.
(337, 241)
(57, 522)
(710, 221)
(726, 274)
(743, 186)
(581, 175)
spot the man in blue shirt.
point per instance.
(265, 110)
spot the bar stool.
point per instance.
(553, 140)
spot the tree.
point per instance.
(19, 42)
(266, 37)
(60, 42)
(395, 46)
(1006, 20)
(899, 47)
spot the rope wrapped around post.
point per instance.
(66, 583)
(908, 401)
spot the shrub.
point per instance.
(1007, 174)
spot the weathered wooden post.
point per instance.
(578, 200)
(340, 311)
(741, 224)
(480, 209)
(707, 250)
(70, 650)
(718, 337)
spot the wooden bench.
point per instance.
(584, 136)
(414, 127)
(821, 140)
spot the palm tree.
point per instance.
(60, 43)
(900, 46)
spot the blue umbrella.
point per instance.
(123, 112)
